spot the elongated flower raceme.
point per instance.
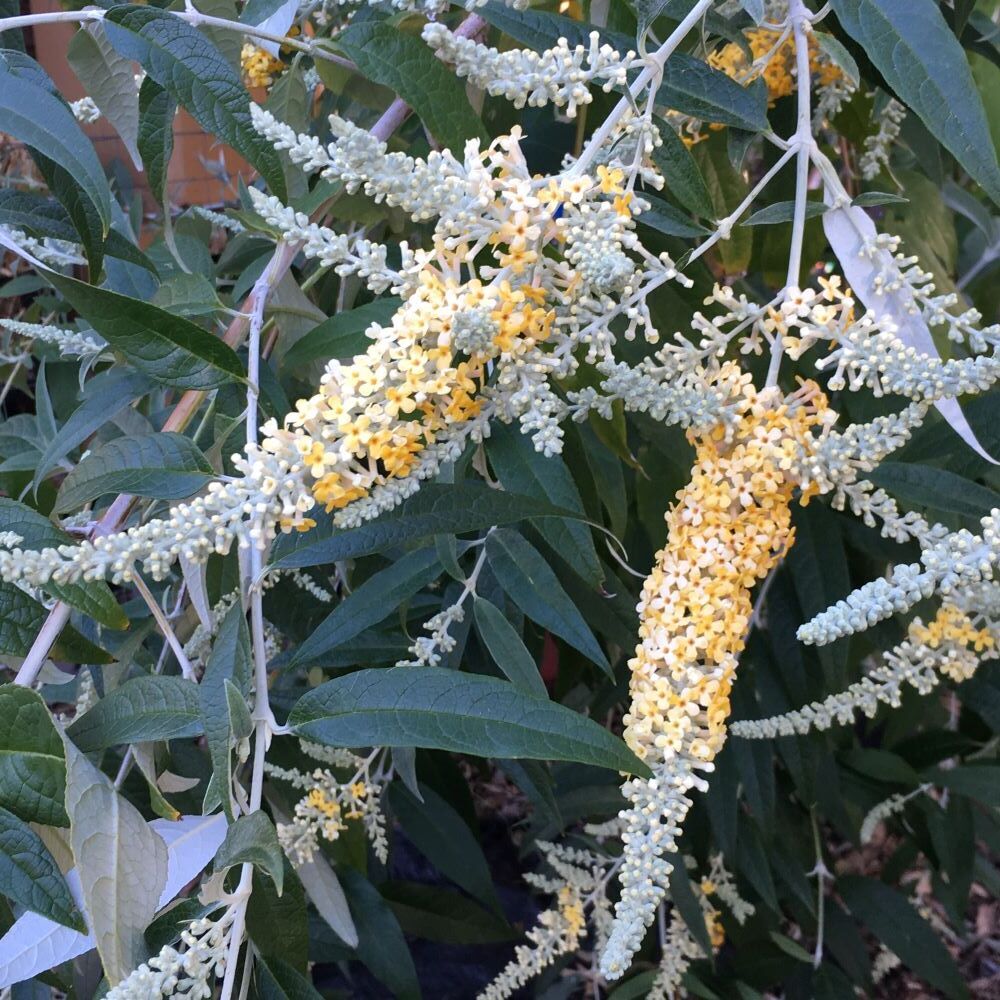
(730, 526)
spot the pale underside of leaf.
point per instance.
(846, 229)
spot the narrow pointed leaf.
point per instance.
(32, 759)
(529, 581)
(29, 875)
(167, 348)
(161, 466)
(39, 119)
(437, 708)
(437, 509)
(372, 602)
(507, 648)
(184, 62)
(144, 708)
(122, 865)
(108, 79)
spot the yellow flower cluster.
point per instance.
(730, 525)
(954, 627)
(259, 66)
(773, 60)
(373, 417)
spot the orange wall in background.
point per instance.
(189, 181)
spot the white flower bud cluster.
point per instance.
(870, 354)
(68, 342)
(897, 275)
(722, 884)
(310, 586)
(85, 110)
(678, 950)
(952, 561)
(219, 219)
(838, 459)
(429, 650)
(424, 189)
(951, 646)
(250, 510)
(869, 604)
(878, 146)
(189, 974)
(579, 885)
(561, 75)
(346, 255)
(886, 809)
(58, 253)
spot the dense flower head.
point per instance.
(730, 525)
(259, 66)
(773, 60)
(424, 373)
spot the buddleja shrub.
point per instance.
(689, 289)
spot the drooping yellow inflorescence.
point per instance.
(259, 66)
(373, 417)
(729, 527)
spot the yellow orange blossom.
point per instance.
(373, 417)
(952, 625)
(730, 526)
(259, 66)
(777, 62)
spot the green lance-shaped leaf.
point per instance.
(104, 397)
(229, 665)
(32, 759)
(21, 618)
(381, 945)
(529, 581)
(167, 348)
(438, 509)
(108, 78)
(894, 922)
(526, 471)
(921, 59)
(679, 169)
(404, 63)
(155, 140)
(162, 466)
(444, 838)
(39, 119)
(143, 708)
(935, 489)
(195, 73)
(122, 865)
(29, 875)
(439, 709)
(253, 839)
(38, 532)
(372, 602)
(507, 648)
